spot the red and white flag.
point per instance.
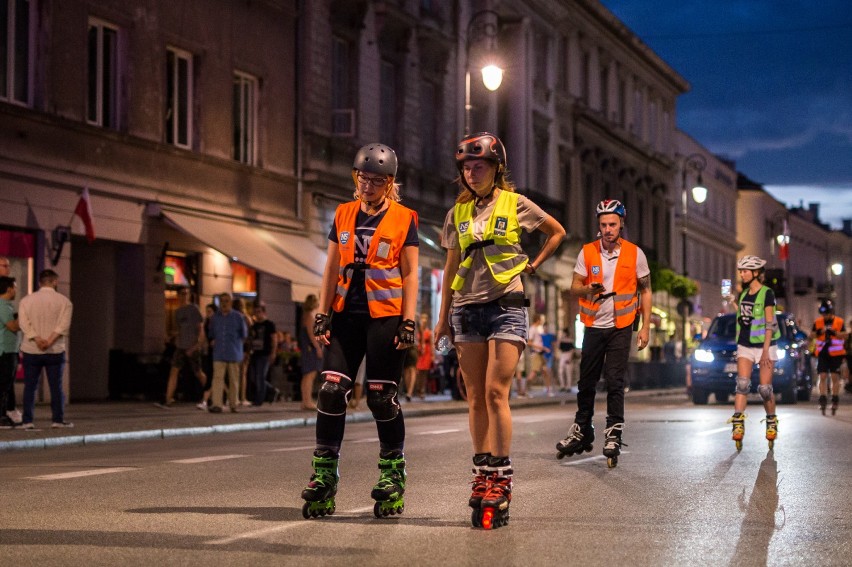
(784, 248)
(84, 211)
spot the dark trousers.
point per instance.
(607, 351)
(53, 364)
(8, 367)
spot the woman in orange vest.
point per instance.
(482, 283)
(367, 306)
(829, 334)
(613, 282)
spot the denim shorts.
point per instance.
(489, 321)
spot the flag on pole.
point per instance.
(84, 211)
(784, 248)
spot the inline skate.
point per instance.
(321, 489)
(493, 511)
(580, 438)
(479, 484)
(612, 444)
(738, 429)
(823, 401)
(391, 485)
(771, 430)
(835, 401)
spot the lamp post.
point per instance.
(483, 23)
(696, 162)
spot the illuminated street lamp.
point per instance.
(837, 268)
(483, 23)
(696, 162)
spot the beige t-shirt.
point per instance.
(479, 285)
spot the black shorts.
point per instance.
(829, 364)
(354, 336)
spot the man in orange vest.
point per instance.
(829, 334)
(613, 282)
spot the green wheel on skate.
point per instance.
(387, 508)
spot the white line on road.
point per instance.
(368, 440)
(713, 431)
(303, 448)
(208, 459)
(281, 528)
(438, 432)
(78, 474)
(595, 458)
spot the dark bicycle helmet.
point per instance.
(376, 158)
(826, 307)
(483, 145)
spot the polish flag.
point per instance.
(84, 211)
(784, 248)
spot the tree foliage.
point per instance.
(664, 279)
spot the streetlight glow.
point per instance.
(837, 268)
(492, 77)
(699, 192)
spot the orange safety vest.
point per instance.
(836, 347)
(625, 300)
(382, 277)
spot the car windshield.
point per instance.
(725, 327)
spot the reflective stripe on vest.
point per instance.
(836, 348)
(382, 274)
(757, 331)
(625, 300)
(504, 257)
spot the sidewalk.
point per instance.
(110, 421)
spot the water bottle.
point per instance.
(445, 345)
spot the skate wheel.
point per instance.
(488, 518)
(560, 455)
(611, 462)
(739, 445)
(771, 444)
(377, 510)
(305, 512)
(475, 518)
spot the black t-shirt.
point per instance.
(746, 316)
(261, 337)
(365, 227)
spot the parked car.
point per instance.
(714, 364)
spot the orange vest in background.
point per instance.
(383, 279)
(626, 302)
(836, 347)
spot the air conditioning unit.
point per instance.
(343, 122)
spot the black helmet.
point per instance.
(826, 307)
(483, 145)
(376, 158)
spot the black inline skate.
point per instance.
(823, 401)
(493, 511)
(580, 438)
(391, 485)
(320, 492)
(835, 401)
(612, 444)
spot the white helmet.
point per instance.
(750, 263)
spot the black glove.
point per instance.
(322, 324)
(405, 332)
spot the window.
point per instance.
(15, 60)
(638, 111)
(584, 76)
(605, 91)
(245, 117)
(342, 87)
(387, 104)
(179, 98)
(429, 124)
(541, 44)
(562, 65)
(102, 101)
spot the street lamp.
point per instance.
(696, 162)
(483, 23)
(837, 268)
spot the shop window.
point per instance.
(244, 282)
(19, 248)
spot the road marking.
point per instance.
(274, 529)
(368, 440)
(438, 432)
(304, 448)
(595, 458)
(208, 459)
(78, 474)
(713, 431)
(537, 418)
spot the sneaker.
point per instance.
(28, 426)
(15, 416)
(202, 405)
(215, 409)
(234, 408)
(245, 403)
(6, 422)
(61, 425)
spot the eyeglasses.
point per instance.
(374, 181)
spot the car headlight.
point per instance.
(703, 355)
(782, 353)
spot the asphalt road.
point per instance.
(681, 495)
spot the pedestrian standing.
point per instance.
(207, 357)
(367, 306)
(264, 344)
(9, 330)
(757, 332)
(566, 361)
(425, 356)
(310, 352)
(10, 409)
(829, 335)
(189, 342)
(240, 307)
(538, 356)
(483, 308)
(45, 319)
(613, 283)
(228, 332)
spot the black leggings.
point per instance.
(354, 336)
(607, 351)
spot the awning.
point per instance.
(289, 256)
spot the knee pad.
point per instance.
(382, 400)
(765, 391)
(743, 385)
(333, 396)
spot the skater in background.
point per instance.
(367, 306)
(829, 336)
(482, 283)
(757, 332)
(539, 354)
(613, 283)
(566, 361)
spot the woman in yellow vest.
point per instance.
(829, 337)
(488, 321)
(367, 306)
(757, 333)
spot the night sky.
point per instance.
(771, 88)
